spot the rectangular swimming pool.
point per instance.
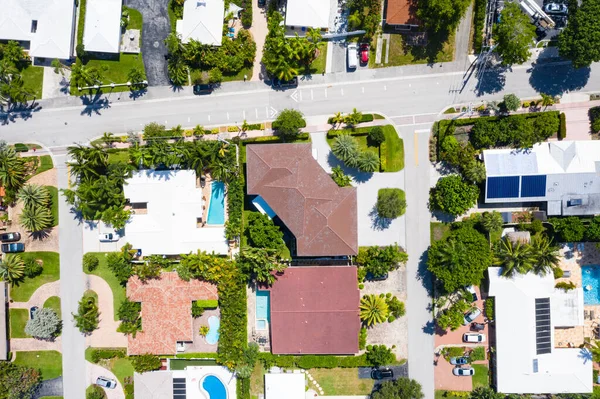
(590, 279)
(263, 309)
(216, 208)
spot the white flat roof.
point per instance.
(53, 36)
(564, 370)
(102, 32)
(174, 204)
(309, 13)
(202, 21)
(285, 385)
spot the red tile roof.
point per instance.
(321, 215)
(166, 312)
(401, 12)
(314, 310)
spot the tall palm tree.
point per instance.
(337, 119)
(353, 118)
(12, 268)
(491, 221)
(12, 169)
(368, 162)
(594, 348)
(34, 195)
(450, 253)
(514, 257)
(178, 71)
(547, 257)
(373, 309)
(36, 218)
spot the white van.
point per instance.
(352, 55)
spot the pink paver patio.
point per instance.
(445, 380)
(106, 336)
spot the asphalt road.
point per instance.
(386, 91)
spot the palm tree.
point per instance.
(12, 268)
(474, 171)
(485, 393)
(368, 162)
(174, 44)
(178, 72)
(345, 147)
(450, 253)
(34, 195)
(353, 118)
(594, 348)
(36, 218)
(12, 169)
(491, 221)
(136, 76)
(514, 257)
(337, 119)
(547, 257)
(107, 139)
(373, 309)
(284, 71)
(547, 100)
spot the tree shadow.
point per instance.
(491, 81)
(357, 176)
(94, 103)
(18, 111)
(135, 94)
(40, 235)
(424, 275)
(435, 44)
(555, 79)
(377, 222)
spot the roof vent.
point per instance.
(535, 365)
(201, 4)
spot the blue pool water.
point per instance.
(216, 209)
(213, 333)
(263, 309)
(590, 278)
(214, 387)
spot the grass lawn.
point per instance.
(119, 293)
(342, 381)
(257, 380)
(121, 368)
(116, 70)
(239, 75)
(53, 303)
(33, 77)
(54, 203)
(45, 164)
(318, 65)
(481, 377)
(135, 18)
(439, 231)
(49, 362)
(120, 155)
(394, 147)
(18, 320)
(439, 49)
(50, 272)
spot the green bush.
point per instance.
(316, 361)
(32, 268)
(558, 272)
(569, 229)
(379, 260)
(20, 147)
(146, 362)
(477, 353)
(453, 195)
(207, 303)
(362, 338)
(565, 285)
(99, 354)
(243, 388)
(478, 22)
(594, 114)
(90, 262)
(453, 351)
(489, 308)
(380, 355)
(391, 203)
(562, 131)
(129, 314)
(262, 232)
(235, 204)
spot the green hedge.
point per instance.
(478, 23)
(361, 131)
(20, 147)
(98, 354)
(207, 303)
(199, 355)
(364, 118)
(562, 132)
(313, 361)
(234, 319)
(275, 124)
(246, 12)
(243, 388)
(235, 204)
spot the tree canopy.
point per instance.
(461, 259)
(580, 40)
(441, 15)
(390, 203)
(288, 123)
(263, 233)
(402, 388)
(453, 195)
(18, 382)
(514, 35)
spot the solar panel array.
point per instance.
(543, 329)
(516, 186)
(179, 388)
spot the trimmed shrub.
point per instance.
(558, 272)
(20, 147)
(45, 324)
(489, 308)
(390, 203)
(562, 131)
(99, 354)
(32, 268)
(565, 286)
(146, 362)
(362, 338)
(379, 355)
(594, 114)
(207, 303)
(316, 361)
(90, 262)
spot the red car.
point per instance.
(364, 53)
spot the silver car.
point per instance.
(106, 382)
(473, 337)
(471, 316)
(463, 371)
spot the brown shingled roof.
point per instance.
(166, 312)
(401, 12)
(321, 215)
(314, 310)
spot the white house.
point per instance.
(527, 310)
(102, 32)
(44, 27)
(202, 21)
(168, 207)
(563, 174)
(308, 13)
(285, 385)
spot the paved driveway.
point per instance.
(154, 31)
(53, 387)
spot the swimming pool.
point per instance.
(216, 209)
(213, 333)
(214, 387)
(263, 309)
(590, 280)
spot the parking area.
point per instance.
(339, 58)
(91, 238)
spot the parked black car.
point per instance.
(285, 84)
(10, 237)
(32, 311)
(380, 374)
(373, 277)
(477, 326)
(203, 89)
(262, 3)
(14, 247)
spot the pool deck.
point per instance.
(199, 345)
(206, 197)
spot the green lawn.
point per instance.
(54, 208)
(18, 320)
(53, 303)
(481, 377)
(438, 49)
(257, 380)
(238, 76)
(33, 77)
(119, 293)
(49, 362)
(121, 368)
(45, 164)
(394, 146)
(50, 272)
(118, 155)
(439, 231)
(318, 65)
(342, 381)
(116, 70)
(135, 18)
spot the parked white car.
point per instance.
(109, 237)
(352, 55)
(106, 382)
(473, 337)
(471, 316)
(463, 371)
